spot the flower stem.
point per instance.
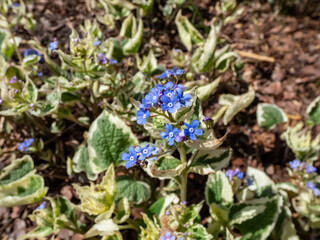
(184, 174)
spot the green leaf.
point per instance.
(122, 211)
(207, 162)
(30, 60)
(149, 63)
(159, 207)
(218, 190)
(246, 213)
(313, 111)
(105, 227)
(210, 144)
(38, 232)
(203, 58)
(269, 115)
(135, 191)
(98, 198)
(235, 104)
(151, 231)
(188, 33)
(198, 232)
(30, 91)
(81, 162)
(108, 138)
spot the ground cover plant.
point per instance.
(155, 120)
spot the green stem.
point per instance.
(133, 224)
(124, 227)
(184, 174)
(14, 41)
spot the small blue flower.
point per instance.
(165, 74)
(174, 72)
(185, 100)
(177, 71)
(311, 169)
(295, 164)
(39, 74)
(112, 61)
(316, 192)
(170, 105)
(101, 59)
(170, 134)
(231, 173)
(53, 45)
(250, 181)
(142, 116)
(24, 145)
(1, 101)
(145, 152)
(152, 97)
(13, 79)
(240, 175)
(29, 52)
(96, 43)
(310, 185)
(168, 236)
(192, 130)
(41, 206)
(130, 157)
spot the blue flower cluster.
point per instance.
(312, 186)
(169, 73)
(232, 173)
(169, 97)
(169, 236)
(29, 52)
(297, 165)
(174, 134)
(53, 45)
(102, 59)
(24, 145)
(41, 206)
(138, 154)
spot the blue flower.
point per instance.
(177, 71)
(142, 116)
(310, 185)
(295, 164)
(316, 192)
(240, 175)
(170, 134)
(311, 169)
(39, 74)
(29, 52)
(101, 59)
(165, 74)
(174, 72)
(130, 157)
(170, 104)
(97, 43)
(53, 45)
(1, 101)
(185, 100)
(192, 130)
(13, 79)
(41, 206)
(24, 145)
(112, 61)
(250, 181)
(152, 97)
(168, 236)
(145, 152)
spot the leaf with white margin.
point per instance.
(122, 211)
(151, 231)
(301, 143)
(156, 125)
(218, 190)
(159, 207)
(188, 33)
(265, 186)
(235, 103)
(205, 91)
(261, 225)
(115, 236)
(98, 198)
(29, 189)
(129, 26)
(229, 236)
(246, 213)
(166, 167)
(38, 232)
(108, 138)
(18, 169)
(30, 60)
(149, 63)
(245, 194)
(105, 227)
(135, 191)
(81, 163)
(223, 61)
(30, 91)
(301, 203)
(203, 58)
(284, 227)
(207, 162)
(269, 115)
(133, 44)
(210, 144)
(313, 111)
(288, 187)
(199, 232)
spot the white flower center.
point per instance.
(154, 97)
(170, 104)
(169, 95)
(144, 116)
(145, 151)
(171, 134)
(131, 158)
(191, 130)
